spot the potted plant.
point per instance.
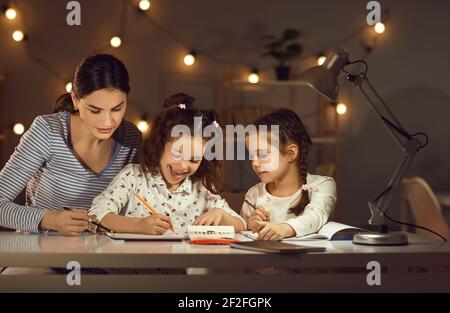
(283, 49)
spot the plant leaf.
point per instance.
(290, 34)
(294, 48)
(273, 45)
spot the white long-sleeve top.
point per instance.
(184, 205)
(322, 194)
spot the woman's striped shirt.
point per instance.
(44, 162)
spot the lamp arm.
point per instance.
(392, 123)
(379, 206)
(408, 143)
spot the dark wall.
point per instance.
(409, 67)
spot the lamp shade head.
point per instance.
(323, 81)
(324, 78)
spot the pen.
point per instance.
(93, 222)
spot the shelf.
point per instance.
(324, 140)
(241, 94)
(287, 83)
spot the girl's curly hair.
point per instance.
(180, 111)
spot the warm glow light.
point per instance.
(341, 108)
(69, 87)
(253, 78)
(379, 28)
(115, 42)
(144, 5)
(189, 59)
(143, 126)
(18, 35)
(321, 60)
(10, 14)
(18, 129)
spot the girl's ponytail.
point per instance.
(179, 99)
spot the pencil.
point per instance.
(250, 204)
(95, 223)
(151, 208)
(148, 205)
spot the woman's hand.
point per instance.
(212, 217)
(154, 224)
(275, 232)
(68, 223)
(258, 219)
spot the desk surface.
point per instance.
(33, 250)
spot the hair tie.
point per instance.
(308, 188)
(182, 106)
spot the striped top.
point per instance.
(46, 165)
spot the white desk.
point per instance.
(342, 268)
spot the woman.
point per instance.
(68, 158)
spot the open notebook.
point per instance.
(330, 231)
(193, 233)
(170, 236)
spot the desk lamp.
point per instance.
(324, 79)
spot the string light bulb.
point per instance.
(321, 59)
(189, 59)
(341, 108)
(18, 35)
(253, 78)
(10, 14)
(143, 125)
(69, 87)
(144, 5)
(379, 28)
(115, 42)
(18, 129)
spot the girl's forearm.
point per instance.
(121, 224)
(236, 222)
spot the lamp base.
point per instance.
(381, 239)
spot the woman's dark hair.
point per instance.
(94, 73)
(291, 130)
(210, 172)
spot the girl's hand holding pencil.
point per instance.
(258, 218)
(154, 224)
(158, 221)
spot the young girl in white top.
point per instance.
(182, 187)
(288, 201)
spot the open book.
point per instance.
(330, 231)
